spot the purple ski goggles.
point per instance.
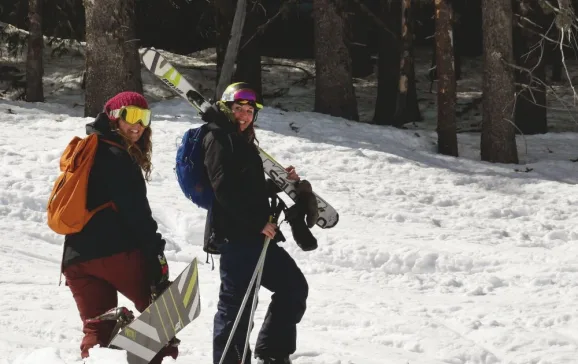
(246, 96)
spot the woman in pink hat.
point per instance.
(119, 249)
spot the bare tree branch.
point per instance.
(309, 74)
(376, 19)
(261, 28)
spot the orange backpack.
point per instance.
(67, 211)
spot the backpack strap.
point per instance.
(111, 143)
(109, 204)
(277, 206)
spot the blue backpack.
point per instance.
(190, 168)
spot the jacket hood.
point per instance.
(101, 127)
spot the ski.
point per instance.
(164, 70)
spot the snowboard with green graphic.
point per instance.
(147, 334)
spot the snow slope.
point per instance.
(435, 259)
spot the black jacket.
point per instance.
(241, 208)
(114, 177)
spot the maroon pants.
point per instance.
(94, 285)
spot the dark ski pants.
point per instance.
(94, 285)
(278, 335)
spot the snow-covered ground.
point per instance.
(435, 260)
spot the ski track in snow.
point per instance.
(435, 260)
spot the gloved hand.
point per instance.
(210, 114)
(160, 279)
(217, 114)
(307, 202)
(301, 233)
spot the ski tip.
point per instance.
(334, 221)
(145, 51)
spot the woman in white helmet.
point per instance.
(236, 227)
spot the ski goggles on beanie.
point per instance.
(133, 115)
(243, 96)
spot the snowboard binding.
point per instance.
(122, 315)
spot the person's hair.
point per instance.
(141, 151)
(249, 133)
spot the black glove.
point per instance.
(160, 279)
(211, 114)
(307, 202)
(217, 115)
(157, 267)
(301, 233)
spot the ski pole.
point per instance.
(254, 303)
(258, 269)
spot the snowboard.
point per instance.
(169, 313)
(160, 67)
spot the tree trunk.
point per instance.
(498, 142)
(530, 113)
(112, 60)
(361, 65)
(334, 91)
(249, 58)
(232, 54)
(446, 127)
(34, 59)
(555, 58)
(388, 64)
(396, 90)
(407, 109)
(457, 58)
(224, 14)
(14, 12)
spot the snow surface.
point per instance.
(435, 260)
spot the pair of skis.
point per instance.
(160, 67)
